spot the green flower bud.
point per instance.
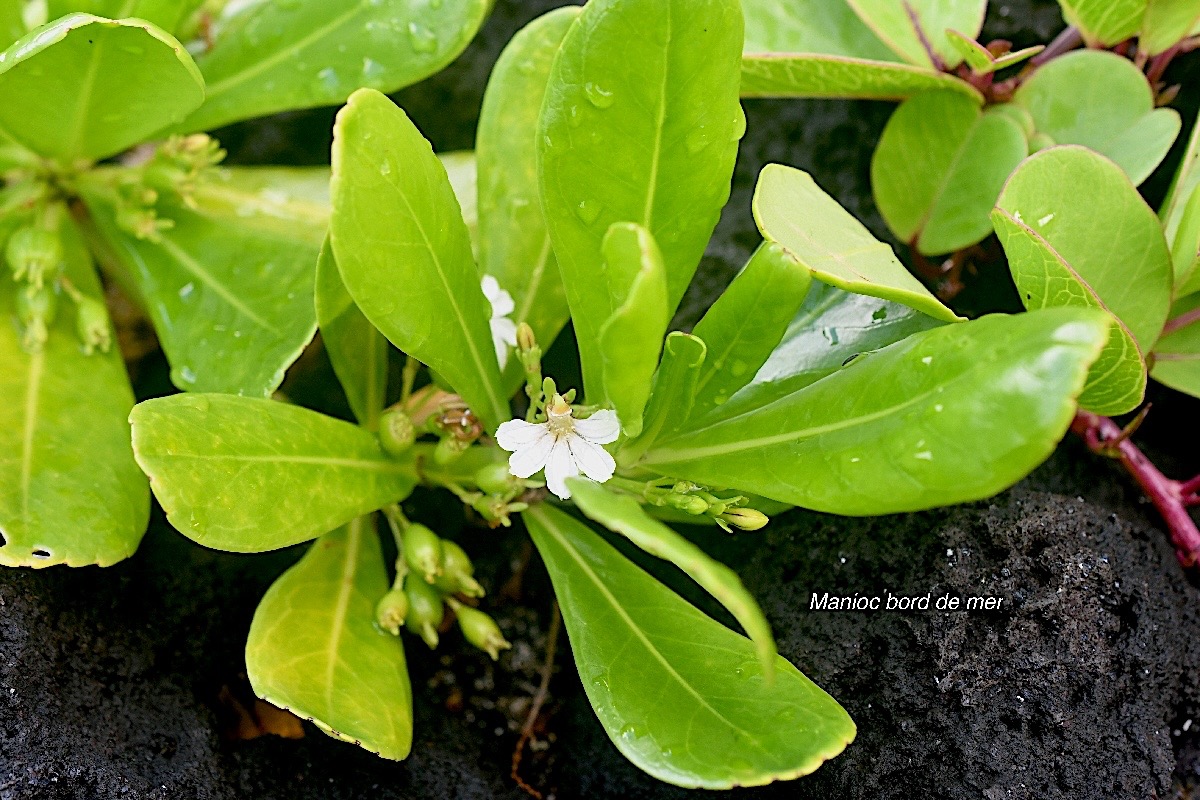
(425, 611)
(34, 254)
(423, 551)
(481, 630)
(391, 610)
(396, 432)
(525, 338)
(457, 572)
(91, 324)
(496, 479)
(449, 450)
(688, 503)
(36, 309)
(746, 518)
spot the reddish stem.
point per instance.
(1182, 321)
(1170, 497)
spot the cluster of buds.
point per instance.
(36, 260)
(500, 493)
(696, 500)
(174, 168)
(455, 425)
(432, 573)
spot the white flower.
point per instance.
(504, 330)
(562, 445)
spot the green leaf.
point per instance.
(939, 167)
(272, 56)
(358, 352)
(816, 75)
(314, 649)
(70, 492)
(746, 324)
(166, 14)
(12, 21)
(949, 415)
(673, 390)
(248, 475)
(631, 337)
(640, 124)
(1181, 218)
(1103, 102)
(1104, 22)
(1077, 233)
(680, 695)
(906, 26)
(229, 287)
(1177, 354)
(830, 329)
(624, 515)
(462, 174)
(810, 26)
(794, 212)
(85, 87)
(514, 245)
(981, 60)
(404, 252)
(1165, 23)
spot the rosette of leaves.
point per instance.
(220, 260)
(1077, 233)
(825, 376)
(960, 130)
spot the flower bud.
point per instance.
(496, 479)
(423, 551)
(688, 503)
(35, 254)
(481, 630)
(36, 309)
(396, 432)
(457, 572)
(745, 518)
(91, 324)
(425, 611)
(391, 610)
(525, 338)
(449, 450)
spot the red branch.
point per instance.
(1171, 498)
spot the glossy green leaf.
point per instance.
(248, 475)
(624, 515)
(272, 56)
(314, 648)
(1180, 215)
(1177, 354)
(86, 87)
(12, 21)
(673, 390)
(828, 241)
(1104, 22)
(631, 337)
(746, 324)
(711, 719)
(229, 287)
(1166, 22)
(358, 352)
(816, 75)
(949, 415)
(1077, 233)
(939, 167)
(70, 492)
(1103, 102)
(981, 60)
(830, 329)
(166, 14)
(404, 252)
(640, 124)
(906, 27)
(514, 245)
(810, 26)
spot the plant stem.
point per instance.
(539, 700)
(1182, 321)
(1170, 497)
(1066, 41)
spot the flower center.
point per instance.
(558, 417)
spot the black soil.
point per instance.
(124, 683)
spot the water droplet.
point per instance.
(938, 407)
(630, 732)
(327, 81)
(588, 211)
(927, 360)
(527, 66)
(385, 168)
(697, 140)
(597, 95)
(574, 118)
(738, 368)
(924, 455)
(186, 290)
(720, 400)
(422, 39)
(372, 70)
(187, 375)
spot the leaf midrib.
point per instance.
(75, 143)
(37, 365)
(191, 265)
(353, 542)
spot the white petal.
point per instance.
(517, 433)
(603, 427)
(532, 458)
(491, 287)
(593, 459)
(502, 304)
(504, 338)
(560, 466)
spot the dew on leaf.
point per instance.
(588, 211)
(187, 375)
(422, 39)
(697, 140)
(186, 290)
(597, 95)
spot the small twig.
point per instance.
(1066, 41)
(408, 378)
(1171, 498)
(539, 699)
